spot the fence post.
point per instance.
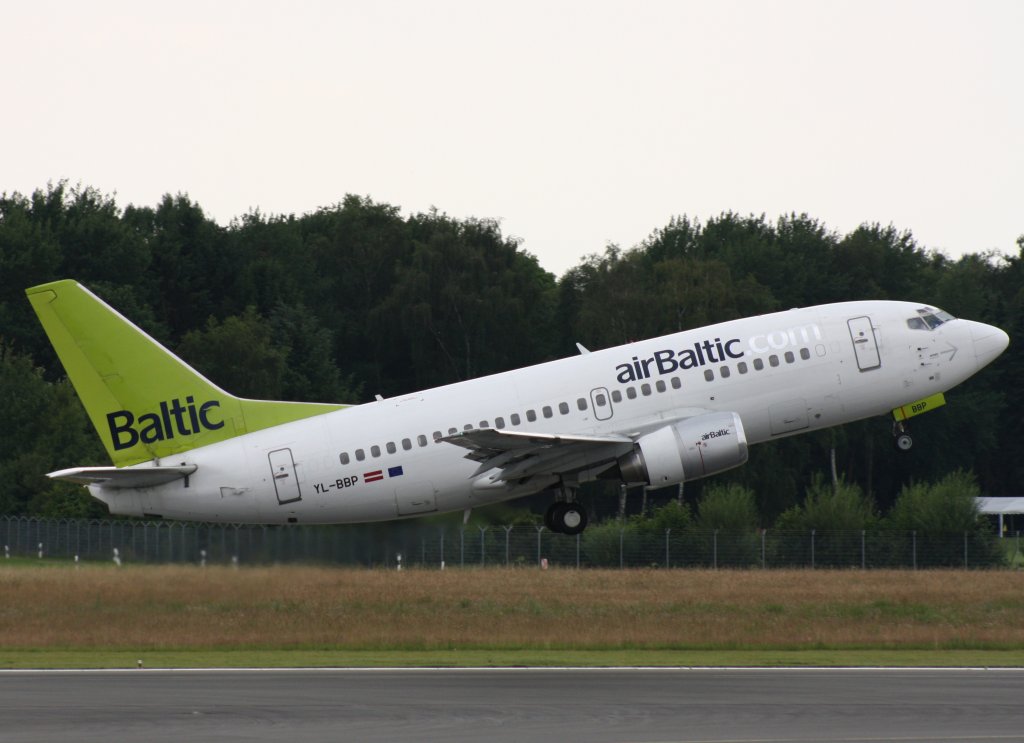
(714, 549)
(622, 537)
(462, 547)
(577, 551)
(540, 530)
(913, 536)
(764, 562)
(668, 562)
(812, 549)
(441, 529)
(863, 555)
(483, 530)
(965, 550)
(508, 532)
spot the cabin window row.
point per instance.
(531, 415)
(515, 419)
(582, 404)
(758, 363)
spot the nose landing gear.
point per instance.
(901, 438)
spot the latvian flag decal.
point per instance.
(379, 474)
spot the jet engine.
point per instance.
(687, 450)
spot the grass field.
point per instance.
(96, 616)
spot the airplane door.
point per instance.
(865, 345)
(602, 403)
(282, 469)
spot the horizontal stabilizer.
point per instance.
(123, 477)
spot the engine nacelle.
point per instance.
(687, 450)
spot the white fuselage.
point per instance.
(783, 374)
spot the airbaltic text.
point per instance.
(702, 353)
(173, 419)
(667, 361)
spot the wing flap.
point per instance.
(522, 454)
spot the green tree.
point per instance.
(239, 355)
(728, 507)
(946, 521)
(45, 429)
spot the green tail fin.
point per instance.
(144, 401)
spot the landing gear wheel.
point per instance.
(553, 516)
(902, 437)
(566, 518)
(573, 518)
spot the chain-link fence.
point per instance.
(608, 545)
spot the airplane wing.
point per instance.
(522, 454)
(123, 477)
(518, 455)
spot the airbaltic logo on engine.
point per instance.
(172, 419)
(668, 361)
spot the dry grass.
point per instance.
(309, 607)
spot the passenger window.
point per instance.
(563, 408)
(436, 435)
(483, 424)
(805, 353)
(790, 358)
(660, 385)
(422, 440)
(499, 422)
(452, 431)
(631, 393)
(547, 411)
(616, 396)
(531, 416)
(406, 444)
(468, 427)
(645, 389)
(360, 455)
(724, 372)
(742, 367)
(709, 375)
(374, 451)
(581, 403)
(515, 419)
(344, 457)
(773, 360)
(600, 400)
(759, 364)
(676, 383)
(391, 447)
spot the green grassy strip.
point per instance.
(30, 659)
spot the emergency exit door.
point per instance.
(282, 470)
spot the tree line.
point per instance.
(355, 299)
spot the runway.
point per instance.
(500, 706)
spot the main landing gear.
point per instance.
(902, 438)
(566, 516)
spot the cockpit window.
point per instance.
(928, 319)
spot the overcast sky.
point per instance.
(576, 124)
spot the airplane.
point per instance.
(655, 413)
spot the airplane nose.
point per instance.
(989, 342)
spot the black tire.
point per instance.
(572, 519)
(553, 517)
